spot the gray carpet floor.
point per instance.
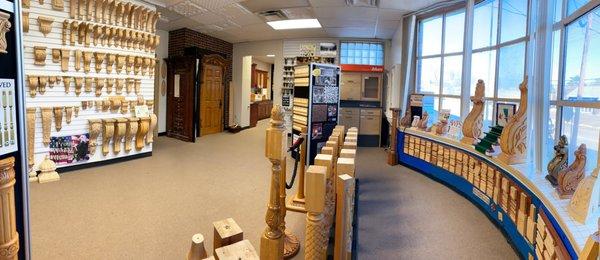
(149, 208)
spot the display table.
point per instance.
(516, 198)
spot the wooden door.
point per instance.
(180, 99)
(211, 99)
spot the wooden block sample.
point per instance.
(226, 233)
(316, 177)
(348, 153)
(327, 150)
(345, 166)
(349, 145)
(239, 250)
(344, 217)
(325, 160)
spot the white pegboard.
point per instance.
(56, 96)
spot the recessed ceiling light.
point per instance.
(270, 55)
(295, 24)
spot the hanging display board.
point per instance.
(8, 117)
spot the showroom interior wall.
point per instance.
(162, 52)
(393, 63)
(264, 66)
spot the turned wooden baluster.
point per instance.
(9, 238)
(297, 203)
(392, 156)
(272, 240)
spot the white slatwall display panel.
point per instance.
(56, 96)
(292, 48)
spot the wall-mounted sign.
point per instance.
(361, 68)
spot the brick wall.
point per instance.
(181, 39)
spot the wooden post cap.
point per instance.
(236, 251)
(197, 250)
(345, 166)
(325, 160)
(226, 232)
(327, 150)
(348, 153)
(349, 145)
(316, 177)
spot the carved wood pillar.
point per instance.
(31, 111)
(9, 238)
(316, 238)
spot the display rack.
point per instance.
(316, 104)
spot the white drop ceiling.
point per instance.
(238, 20)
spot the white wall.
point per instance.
(162, 52)
(393, 62)
(242, 95)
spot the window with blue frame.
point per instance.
(361, 53)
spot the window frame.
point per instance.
(382, 44)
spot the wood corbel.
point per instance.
(150, 20)
(99, 59)
(150, 104)
(39, 55)
(138, 86)
(155, 21)
(67, 82)
(42, 87)
(99, 85)
(68, 114)
(73, 9)
(130, 63)
(78, 85)
(117, 33)
(88, 85)
(51, 81)
(98, 105)
(81, 10)
(100, 9)
(89, 30)
(46, 125)
(150, 135)
(58, 5)
(149, 42)
(74, 26)
(97, 35)
(120, 129)
(110, 61)
(130, 83)
(76, 110)
(153, 66)
(124, 107)
(45, 24)
(146, 66)
(132, 104)
(65, 32)
(137, 65)
(31, 111)
(81, 31)
(118, 13)
(64, 59)
(90, 10)
(126, 11)
(87, 60)
(132, 127)
(156, 42)
(108, 130)
(104, 38)
(78, 56)
(25, 19)
(110, 82)
(121, 61)
(26, 3)
(111, 37)
(119, 86)
(143, 127)
(105, 105)
(33, 82)
(115, 103)
(131, 16)
(58, 115)
(95, 126)
(56, 55)
(108, 17)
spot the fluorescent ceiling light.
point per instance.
(270, 55)
(295, 24)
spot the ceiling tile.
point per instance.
(208, 18)
(337, 22)
(350, 32)
(391, 14)
(327, 3)
(346, 12)
(388, 24)
(411, 5)
(264, 5)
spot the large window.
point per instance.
(440, 62)
(575, 79)
(364, 53)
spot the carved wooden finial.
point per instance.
(277, 114)
(474, 122)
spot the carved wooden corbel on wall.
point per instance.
(146, 65)
(64, 60)
(58, 115)
(97, 35)
(45, 24)
(121, 60)
(51, 81)
(31, 114)
(129, 85)
(115, 103)
(42, 86)
(109, 40)
(153, 122)
(124, 107)
(99, 13)
(138, 86)
(126, 12)
(132, 127)
(26, 3)
(46, 124)
(99, 59)
(58, 5)
(513, 140)
(90, 10)
(109, 10)
(108, 130)
(32, 82)
(118, 13)
(67, 82)
(78, 57)
(81, 10)
(95, 126)
(99, 85)
(110, 61)
(110, 82)
(76, 110)
(73, 9)
(130, 63)
(87, 60)
(132, 104)
(89, 30)
(138, 65)
(74, 30)
(119, 86)
(84, 105)
(88, 85)
(143, 127)
(39, 55)
(56, 55)
(65, 32)
(68, 114)
(78, 85)
(25, 19)
(120, 129)
(105, 105)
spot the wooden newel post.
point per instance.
(271, 242)
(316, 231)
(9, 238)
(344, 216)
(392, 157)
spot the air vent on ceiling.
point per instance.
(363, 3)
(273, 15)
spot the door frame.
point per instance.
(171, 69)
(216, 60)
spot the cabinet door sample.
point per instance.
(371, 86)
(370, 122)
(349, 117)
(350, 86)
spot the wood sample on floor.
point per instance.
(240, 250)
(197, 250)
(226, 232)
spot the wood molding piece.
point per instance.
(569, 178)
(42, 86)
(105, 105)
(74, 28)
(120, 129)
(73, 9)
(68, 114)
(58, 116)
(121, 61)
(137, 65)
(32, 82)
(153, 122)
(110, 82)
(108, 130)
(99, 86)
(31, 116)
(95, 126)
(132, 128)
(130, 82)
(144, 125)
(58, 5)
(47, 171)
(64, 59)
(130, 63)
(39, 55)
(88, 85)
(9, 238)
(146, 65)
(87, 61)
(138, 86)
(513, 140)
(67, 82)
(78, 57)
(55, 55)
(119, 86)
(110, 61)
(98, 60)
(45, 24)
(25, 19)
(78, 85)
(46, 125)
(89, 31)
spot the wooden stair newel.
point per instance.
(474, 122)
(143, 126)
(120, 130)
(327, 161)
(272, 240)
(344, 217)
(513, 140)
(108, 130)
(392, 157)
(316, 239)
(297, 202)
(9, 239)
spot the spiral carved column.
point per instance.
(9, 238)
